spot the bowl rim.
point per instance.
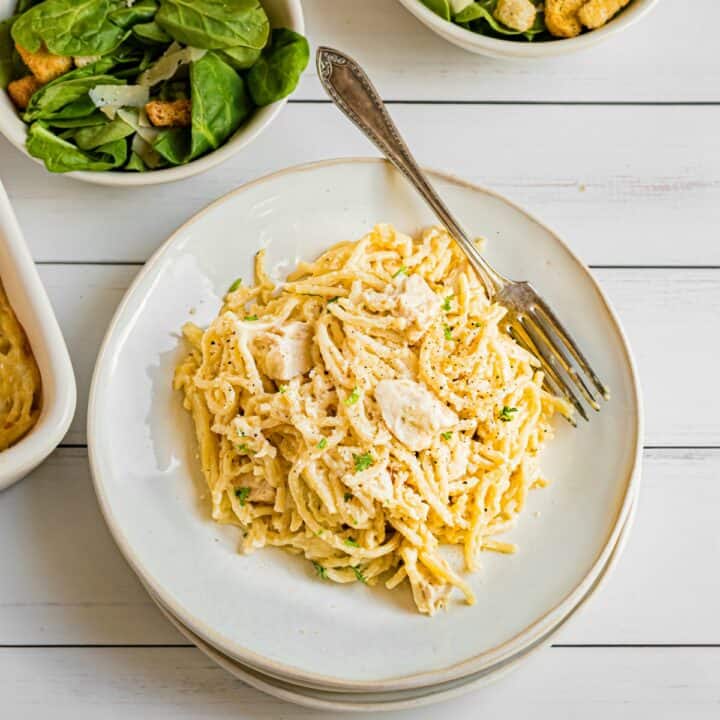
(15, 130)
(236, 651)
(32, 307)
(499, 47)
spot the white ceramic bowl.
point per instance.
(32, 307)
(494, 47)
(282, 13)
(144, 464)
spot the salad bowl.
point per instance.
(520, 49)
(282, 13)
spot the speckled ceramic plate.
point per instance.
(268, 610)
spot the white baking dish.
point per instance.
(34, 311)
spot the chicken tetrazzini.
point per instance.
(367, 411)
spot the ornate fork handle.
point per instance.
(354, 94)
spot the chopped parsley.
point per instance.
(476, 324)
(347, 497)
(242, 494)
(333, 300)
(447, 331)
(363, 462)
(235, 285)
(353, 397)
(446, 435)
(352, 542)
(320, 570)
(244, 449)
(446, 303)
(282, 389)
(358, 574)
(250, 318)
(320, 532)
(402, 271)
(506, 413)
(322, 444)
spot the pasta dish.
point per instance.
(368, 411)
(19, 378)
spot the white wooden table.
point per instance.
(619, 150)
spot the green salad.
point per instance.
(138, 85)
(527, 19)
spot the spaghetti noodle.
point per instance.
(368, 411)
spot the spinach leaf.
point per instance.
(89, 138)
(174, 145)
(152, 33)
(62, 156)
(219, 103)
(215, 24)
(135, 163)
(142, 11)
(66, 98)
(241, 58)
(276, 74)
(68, 27)
(439, 7)
(7, 64)
(95, 118)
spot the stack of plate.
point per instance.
(266, 618)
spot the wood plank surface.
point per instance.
(669, 56)
(177, 683)
(622, 185)
(66, 582)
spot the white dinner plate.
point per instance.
(268, 610)
(401, 699)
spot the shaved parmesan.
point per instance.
(83, 60)
(109, 98)
(137, 120)
(168, 64)
(146, 152)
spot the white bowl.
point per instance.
(143, 452)
(32, 307)
(282, 13)
(494, 47)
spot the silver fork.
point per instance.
(529, 319)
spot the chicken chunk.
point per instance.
(418, 304)
(595, 13)
(44, 65)
(22, 90)
(561, 17)
(169, 113)
(412, 413)
(516, 14)
(286, 353)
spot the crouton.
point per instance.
(44, 65)
(516, 14)
(595, 13)
(169, 113)
(561, 17)
(20, 91)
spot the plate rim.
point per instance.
(434, 694)
(460, 669)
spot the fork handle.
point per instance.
(351, 90)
